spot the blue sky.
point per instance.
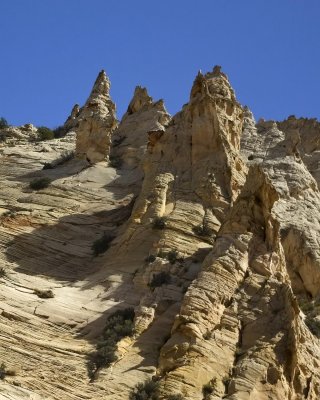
(52, 50)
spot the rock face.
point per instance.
(129, 141)
(214, 221)
(96, 121)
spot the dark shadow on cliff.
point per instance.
(63, 250)
(66, 169)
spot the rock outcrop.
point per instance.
(129, 141)
(213, 228)
(95, 122)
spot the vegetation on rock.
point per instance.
(159, 223)
(44, 294)
(118, 325)
(148, 390)
(207, 390)
(45, 133)
(102, 244)
(40, 183)
(202, 230)
(3, 123)
(162, 278)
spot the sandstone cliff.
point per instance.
(212, 224)
(95, 122)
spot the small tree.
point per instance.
(207, 389)
(102, 244)
(40, 183)
(175, 397)
(159, 223)
(118, 325)
(3, 123)
(45, 133)
(148, 390)
(162, 278)
(2, 370)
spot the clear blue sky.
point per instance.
(52, 50)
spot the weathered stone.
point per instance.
(96, 122)
(215, 227)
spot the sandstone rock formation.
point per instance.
(12, 134)
(130, 138)
(214, 222)
(96, 121)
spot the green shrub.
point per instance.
(172, 256)
(159, 223)
(306, 306)
(118, 325)
(3, 123)
(59, 132)
(207, 389)
(45, 133)
(40, 183)
(64, 157)
(2, 371)
(202, 230)
(151, 258)
(47, 165)
(313, 325)
(175, 397)
(102, 244)
(44, 294)
(162, 278)
(148, 390)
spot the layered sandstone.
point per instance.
(95, 122)
(226, 208)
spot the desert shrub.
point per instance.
(207, 335)
(44, 294)
(59, 132)
(115, 162)
(40, 183)
(313, 325)
(9, 213)
(148, 390)
(306, 306)
(47, 165)
(118, 325)
(162, 278)
(202, 230)
(159, 223)
(207, 389)
(64, 157)
(172, 256)
(2, 272)
(150, 258)
(3, 123)
(2, 370)
(175, 397)
(102, 244)
(45, 133)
